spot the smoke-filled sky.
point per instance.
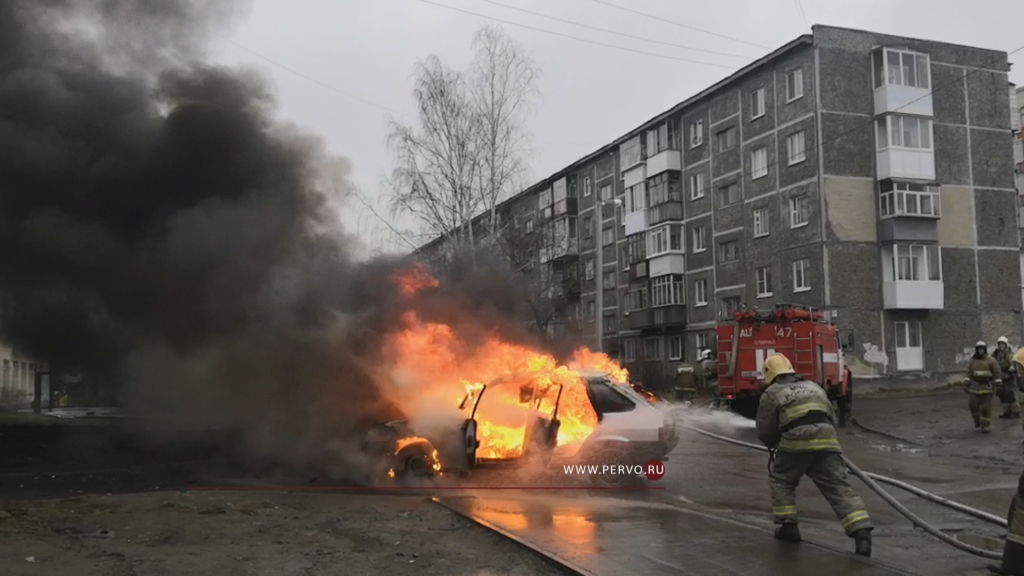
(591, 93)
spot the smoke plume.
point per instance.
(162, 231)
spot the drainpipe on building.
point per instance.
(599, 270)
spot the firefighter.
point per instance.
(709, 376)
(1013, 548)
(983, 377)
(796, 422)
(686, 382)
(1008, 390)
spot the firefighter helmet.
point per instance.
(704, 354)
(776, 365)
(980, 344)
(1003, 340)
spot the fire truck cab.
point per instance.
(799, 332)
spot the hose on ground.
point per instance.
(867, 478)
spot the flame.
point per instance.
(516, 385)
(415, 280)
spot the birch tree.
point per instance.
(467, 154)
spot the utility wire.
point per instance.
(617, 33)
(803, 17)
(577, 38)
(679, 24)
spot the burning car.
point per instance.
(582, 417)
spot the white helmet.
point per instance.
(1003, 340)
(980, 344)
(704, 354)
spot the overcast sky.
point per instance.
(343, 67)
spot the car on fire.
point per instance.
(632, 427)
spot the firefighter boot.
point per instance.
(788, 532)
(862, 540)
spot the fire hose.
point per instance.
(869, 479)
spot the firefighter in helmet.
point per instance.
(795, 420)
(983, 377)
(1013, 547)
(686, 382)
(709, 376)
(1008, 391)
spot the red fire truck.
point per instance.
(803, 334)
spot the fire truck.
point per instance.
(811, 343)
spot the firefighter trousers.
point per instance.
(828, 472)
(981, 409)
(1008, 396)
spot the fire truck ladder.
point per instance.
(803, 347)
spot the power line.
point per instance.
(681, 25)
(617, 33)
(578, 39)
(312, 79)
(803, 17)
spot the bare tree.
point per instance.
(468, 153)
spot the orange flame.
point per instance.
(415, 280)
(523, 385)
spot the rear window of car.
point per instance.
(607, 400)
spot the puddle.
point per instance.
(901, 448)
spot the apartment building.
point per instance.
(867, 175)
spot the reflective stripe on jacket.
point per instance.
(784, 405)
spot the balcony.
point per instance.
(635, 175)
(665, 316)
(905, 99)
(635, 222)
(902, 81)
(668, 211)
(640, 319)
(664, 161)
(667, 263)
(638, 271)
(913, 295)
(566, 207)
(909, 163)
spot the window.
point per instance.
(729, 195)
(696, 186)
(757, 104)
(729, 251)
(761, 227)
(898, 131)
(608, 280)
(795, 150)
(636, 299)
(588, 227)
(667, 290)
(909, 349)
(699, 240)
(696, 133)
(908, 199)
(665, 187)
(915, 262)
(794, 85)
(675, 348)
(662, 138)
(529, 226)
(764, 282)
(652, 349)
(636, 198)
(544, 199)
(591, 311)
(901, 68)
(606, 192)
(799, 211)
(590, 269)
(700, 292)
(629, 351)
(730, 305)
(588, 187)
(631, 153)
(726, 139)
(800, 270)
(759, 163)
(664, 239)
(637, 244)
(701, 340)
(610, 324)
(607, 400)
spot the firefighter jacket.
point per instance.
(983, 374)
(686, 379)
(797, 417)
(710, 367)
(1003, 358)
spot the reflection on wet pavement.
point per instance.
(611, 536)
